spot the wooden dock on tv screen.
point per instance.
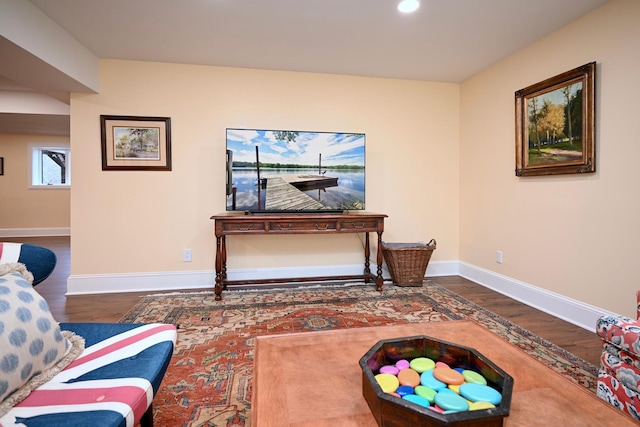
(284, 192)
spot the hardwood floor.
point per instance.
(111, 307)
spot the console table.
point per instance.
(239, 223)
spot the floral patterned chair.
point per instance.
(619, 374)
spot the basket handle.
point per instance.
(432, 242)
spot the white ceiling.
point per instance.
(445, 40)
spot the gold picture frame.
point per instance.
(136, 143)
(555, 128)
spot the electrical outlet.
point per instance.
(499, 257)
(186, 255)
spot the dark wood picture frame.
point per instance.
(1, 166)
(555, 124)
(136, 143)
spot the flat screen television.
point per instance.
(284, 171)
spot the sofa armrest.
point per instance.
(111, 384)
(621, 332)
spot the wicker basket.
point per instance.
(407, 262)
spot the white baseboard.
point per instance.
(570, 310)
(35, 232)
(205, 279)
(83, 284)
(442, 268)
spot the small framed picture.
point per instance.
(555, 129)
(136, 143)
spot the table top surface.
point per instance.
(314, 379)
(235, 215)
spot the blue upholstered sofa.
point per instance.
(40, 261)
(74, 374)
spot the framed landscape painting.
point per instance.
(555, 129)
(136, 143)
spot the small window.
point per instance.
(50, 166)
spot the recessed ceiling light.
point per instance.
(408, 6)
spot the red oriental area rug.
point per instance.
(208, 382)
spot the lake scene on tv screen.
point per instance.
(280, 170)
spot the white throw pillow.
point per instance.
(32, 347)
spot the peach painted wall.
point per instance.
(22, 207)
(127, 222)
(575, 235)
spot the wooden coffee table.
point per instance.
(313, 379)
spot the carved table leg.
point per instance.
(220, 255)
(224, 262)
(367, 252)
(379, 281)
